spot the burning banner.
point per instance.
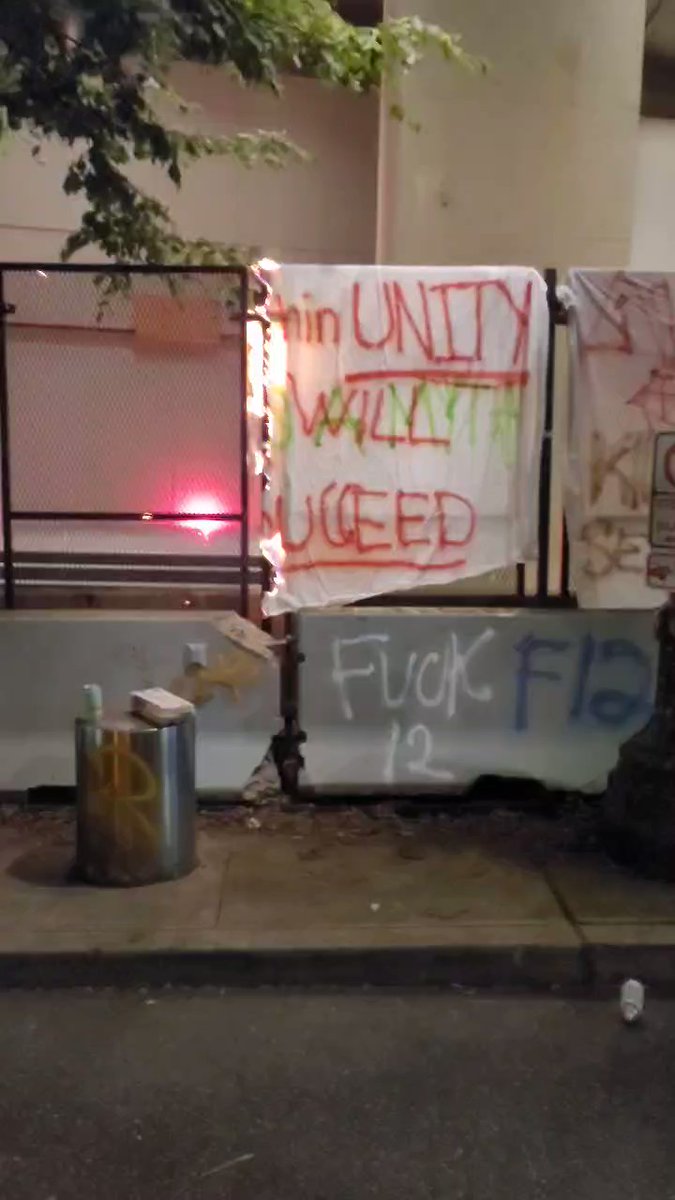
(405, 428)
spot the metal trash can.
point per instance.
(136, 800)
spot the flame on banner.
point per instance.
(255, 345)
(272, 549)
(277, 356)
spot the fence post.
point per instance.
(544, 539)
(5, 460)
(286, 745)
(565, 563)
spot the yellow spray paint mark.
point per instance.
(122, 799)
(234, 672)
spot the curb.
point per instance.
(588, 969)
(535, 967)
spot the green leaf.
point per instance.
(89, 73)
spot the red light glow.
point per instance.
(201, 526)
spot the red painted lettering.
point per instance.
(325, 507)
(362, 522)
(330, 413)
(442, 290)
(403, 315)
(464, 512)
(478, 352)
(522, 315)
(404, 519)
(381, 405)
(359, 335)
(423, 395)
(323, 316)
(308, 324)
(291, 323)
(281, 523)
(307, 317)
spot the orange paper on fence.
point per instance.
(176, 322)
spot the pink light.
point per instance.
(203, 504)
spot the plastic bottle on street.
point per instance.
(632, 1001)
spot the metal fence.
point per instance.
(123, 429)
(123, 433)
(124, 457)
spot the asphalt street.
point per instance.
(273, 1096)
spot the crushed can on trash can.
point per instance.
(136, 800)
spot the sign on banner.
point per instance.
(661, 570)
(662, 522)
(622, 346)
(405, 428)
(661, 560)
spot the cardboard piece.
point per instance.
(246, 635)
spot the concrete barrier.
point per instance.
(429, 700)
(46, 658)
(391, 699)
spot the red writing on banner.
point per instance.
(438, 324)
(629, 315)
(357, 527)
(399, 408)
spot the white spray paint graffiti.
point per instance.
(419, 735)
(434, 699)
(452, 683)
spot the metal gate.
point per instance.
(123, 435)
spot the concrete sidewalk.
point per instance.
(346, 897)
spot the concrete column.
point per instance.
(533, 163)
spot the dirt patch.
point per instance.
(532, 838)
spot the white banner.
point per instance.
(406, 428)
(622, 350)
